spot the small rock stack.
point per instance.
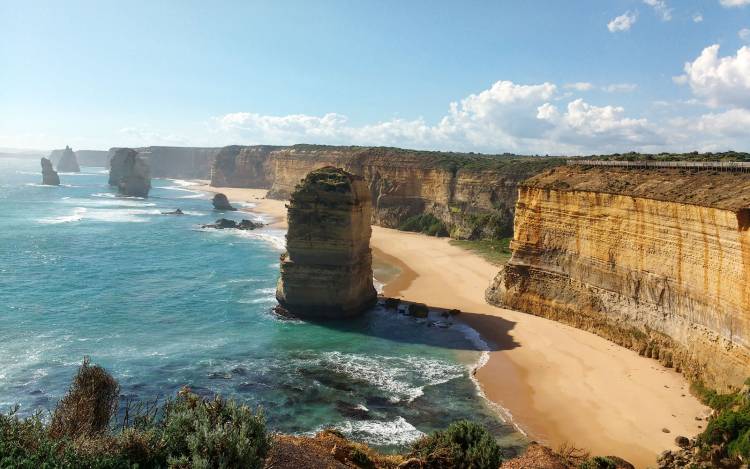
(68, 162)
(49, 175)
(326, 272)
(129, 173)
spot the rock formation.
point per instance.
(177, 162)
(129, 173)
(656, 260)
(326, 272)
(223, 223)
(68, 162)
(472, 195)
(221, 202)
(49, 175)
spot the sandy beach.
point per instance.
(559, 384)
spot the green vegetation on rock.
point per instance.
(495, 251)
(463, 445)
(729, 429)
(426, 223)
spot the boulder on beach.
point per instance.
(68, 162)
(418, 310)
(129, 173)
(221, 202)
(49, 175)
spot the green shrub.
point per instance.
(598, 462)
(730, 426)
(463, 445)
(213, 433)
(426, 223)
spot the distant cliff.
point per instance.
(657, 260)
(473, 195)
(93, 157)
(176, 162)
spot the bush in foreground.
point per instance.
(463, 445)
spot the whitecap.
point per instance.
(103, 215)
(402, 378)
(380, 432)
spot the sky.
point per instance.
(530, 77)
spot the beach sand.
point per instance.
(559, 384)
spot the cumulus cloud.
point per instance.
(734, 3)
(697, 18)
(661, 8)
(623, 22)
(579, 86)
(719, 81)
(505, 117)
(620, 88)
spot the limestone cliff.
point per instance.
(473, 195)
(68, 162)
(657, 260)
(327, 270)
(176, 162)
(129, 173)
(49, 175)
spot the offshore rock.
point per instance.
(68, 162)
(326, 272)
(655, 260)
(49, 175)
(129, 173)
(221, 202)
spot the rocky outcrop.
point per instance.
(472, 195)
(656, 260)
(224, 223)
(326, 272)
(221, 202)
(49, 175)
(68, 162)
(129, 173)
(177, 162)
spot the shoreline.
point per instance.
(558, 384)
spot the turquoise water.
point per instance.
(162, 303)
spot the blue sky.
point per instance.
(528, 76)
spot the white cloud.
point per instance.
(579, 86)
(623, 22)
(744, 34)
(720, 81)
(734, 3)
(697, 18)
(505, 117)
(661, 8)
(620, 88)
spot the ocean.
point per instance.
(162, 303)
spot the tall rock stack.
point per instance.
(49, 175)
(129, 173)
(326, 272)
(68, 162)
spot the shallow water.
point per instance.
(162, 303)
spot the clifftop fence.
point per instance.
(743, 166)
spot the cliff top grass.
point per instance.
(707, 188)
(692, 156)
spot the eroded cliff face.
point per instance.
(474, 196)
(129, 173)
(176, 162)
(658, 261)
(326, 272)
(49, 175)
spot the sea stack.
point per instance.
(129, 173)
(326, 272)
(49, 175)
(221, 202)
(68, 162)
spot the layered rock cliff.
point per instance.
(68, 162)
(176, 162)
(473, 195)
(657, 260)
(327, 269)
(129, 173)
(49, 175)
